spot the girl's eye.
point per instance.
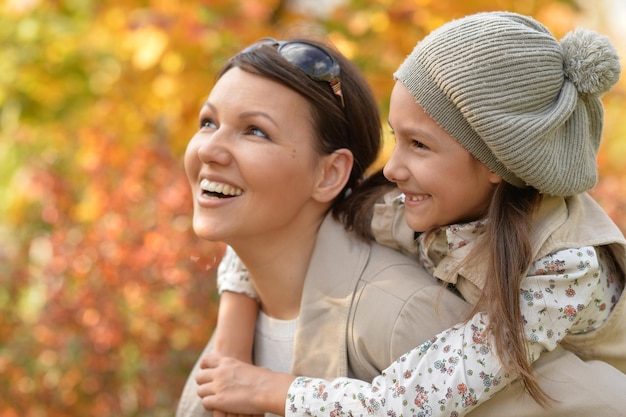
(418, 145)
(207, 123)
(255, 131)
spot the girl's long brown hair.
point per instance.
(508, 245)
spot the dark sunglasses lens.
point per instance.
(264, 41)
(316, 63)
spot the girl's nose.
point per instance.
(395, 170)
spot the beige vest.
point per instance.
(575, 222)
(560, 224)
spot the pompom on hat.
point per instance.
(523, 103)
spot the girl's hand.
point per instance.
(236, 387)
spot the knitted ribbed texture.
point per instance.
(521, 102)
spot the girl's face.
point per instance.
(442, 182)
(252, 166)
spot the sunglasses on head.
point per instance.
(311, 59)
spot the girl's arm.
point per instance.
(236, 320)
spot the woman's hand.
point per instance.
(236, 387)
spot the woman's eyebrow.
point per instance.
(255, 113)
(210, 106)
(244, 115)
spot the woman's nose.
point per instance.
(214, 148)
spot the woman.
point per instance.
(285, 135)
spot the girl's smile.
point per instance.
(413, 198)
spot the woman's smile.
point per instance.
(218, 189)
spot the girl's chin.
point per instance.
(418, 225)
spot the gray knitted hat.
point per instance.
(524, 104)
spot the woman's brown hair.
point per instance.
(355, 125)
(357, 210)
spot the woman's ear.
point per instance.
(334, 174)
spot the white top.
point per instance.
(273, 344)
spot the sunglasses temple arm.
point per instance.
(336, 86)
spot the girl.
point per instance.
(497, 127)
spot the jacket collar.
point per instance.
(559, 223)
(337, 263)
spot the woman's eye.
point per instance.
(207, 123)
(255, 131)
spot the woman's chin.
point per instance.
(208, 232)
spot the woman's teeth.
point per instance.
(219, 188)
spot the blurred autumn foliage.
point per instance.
(106, 295)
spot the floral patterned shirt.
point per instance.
(568, 291)
(233, 276)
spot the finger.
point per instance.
(204, 391)
(204, 376)
(210, 360)
(207, 404)
(218, 413)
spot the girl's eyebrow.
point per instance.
(412, 131)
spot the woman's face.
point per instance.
(252, 166)
(442, 182)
